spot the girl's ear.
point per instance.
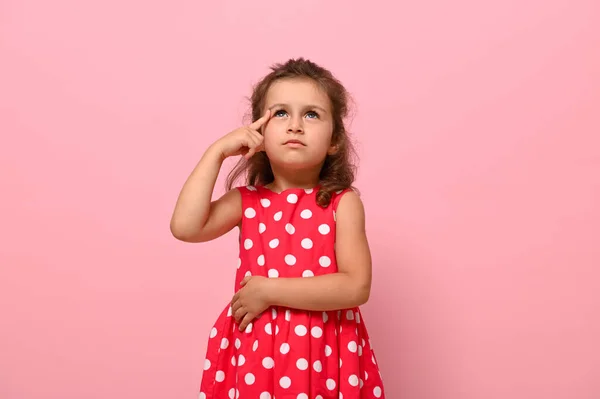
(333, 149)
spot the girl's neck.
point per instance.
(286, 179)
(299, 179)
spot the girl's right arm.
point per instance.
(196, 218)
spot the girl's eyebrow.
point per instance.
(308, 106)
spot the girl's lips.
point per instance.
(294, 143)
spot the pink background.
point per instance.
(478, 126)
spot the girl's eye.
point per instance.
(312, 115)
(279, 113)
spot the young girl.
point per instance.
(293, 328)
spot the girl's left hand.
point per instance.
(250, 301)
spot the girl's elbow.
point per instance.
(362, 295)
(181, 233)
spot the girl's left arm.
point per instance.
(347, 288)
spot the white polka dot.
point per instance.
(290, 260)
(366, 376)
(353, 380)
(278, 216)
(339, 191)
(328, 350)
(373, 359)
(285, 382)
(265, 202)
(292, 198)
(324, 229)
(334, 217)
(232, 393)
(325, 317)
(324, 261)
(274, 243)
(316, 332)
(239, 263)
(248, 243)
(361, 383)
(307, 273)
(220, 377)
(274, 313)
(350, 315)
(241, 360)
(308, 190)
(302, 396)
(247, 274)
(251, 188)
(290, 229)
(255, 346)
(261, 260)
(265, 395)
(340, 363)
(249, 213)
(302, 364)
(248, 329)
(273, 273)
(288, 315)
(307, 243)
(358, 317)
(360, 350)
(233, 361)
(352, 346)
(206, 364)
(330, 384)
(213, 332)
(364, 343)
(300, 330)
(238, 343)
(377, 392)
(317, 366)
(285, 348)
(202, 395)
(262, 228)
(249, 378)
(224, 343)
(341, 396)
(269, 329)
(306, 214)
(268, 363)
(318, 397)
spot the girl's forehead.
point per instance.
(296, 91)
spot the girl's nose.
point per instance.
(295, 126)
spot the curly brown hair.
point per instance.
(338, 171)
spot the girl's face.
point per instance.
(298, 134)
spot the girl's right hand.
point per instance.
(245, 140)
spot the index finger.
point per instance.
(260, 121)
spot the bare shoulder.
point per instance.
(229, 205)
(233, 196)
(350, 209)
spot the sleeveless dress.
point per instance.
(289, 353)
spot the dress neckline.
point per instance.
(290, 190)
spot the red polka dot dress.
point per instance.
(289, 353)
